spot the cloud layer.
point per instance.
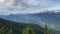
(23, 6)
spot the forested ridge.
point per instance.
(10, 27)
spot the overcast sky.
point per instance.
(27, 6)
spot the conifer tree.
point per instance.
(28, 30)
(46, 29)
(49, 31)
(32, 31)
(2, 31)
(25, 31)
(10, 31)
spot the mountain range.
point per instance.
(38, 18)
(51, 18)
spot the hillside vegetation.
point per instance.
(10, 27)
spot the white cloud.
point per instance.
(22, 6)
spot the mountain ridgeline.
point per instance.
(10, 27)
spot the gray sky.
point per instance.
(27, 6)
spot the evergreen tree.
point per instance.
(1, 30)
(47, 30)
(28, 30)
(10, 31)
(25, 31)
(32, 31)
